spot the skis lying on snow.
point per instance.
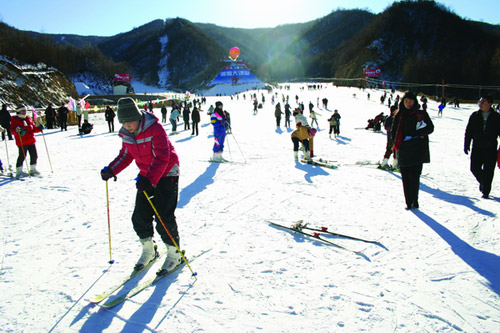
(317, 236)
(320, 162)
(111, 290)
(147, 283)
(300, 225)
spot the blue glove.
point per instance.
(107, 173)
(143, 184)
(41, 127)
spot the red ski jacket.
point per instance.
(151, 149)
(27, 124)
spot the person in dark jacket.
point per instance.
(195, 117)
(50, 116)
(483, 129)
(63, 117)
(86, 127)
(109, 115)
(185, 116)
(389, 145)
(5, 122)
(410, 130)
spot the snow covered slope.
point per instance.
(437, 269)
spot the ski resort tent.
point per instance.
(235, 73)
(232, 79)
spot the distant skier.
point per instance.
(303, 134)
(195, 117)
(173, 119)
(277, 114)
(218, 120)
(63, 117)
(109, 115)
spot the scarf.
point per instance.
(399, 131)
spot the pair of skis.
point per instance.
(320, 162)
(142, 286)
(316, 233)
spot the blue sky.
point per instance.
(110, 17)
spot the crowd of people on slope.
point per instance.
(408, 128)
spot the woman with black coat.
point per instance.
(409, 132)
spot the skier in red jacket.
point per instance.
(24, 129)
(144, 140)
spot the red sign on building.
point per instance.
(122, 77)
(373, 72)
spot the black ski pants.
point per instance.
(482, 166)
(164, 198)
(411, 184)
(24, 151)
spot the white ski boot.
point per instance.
(173, 258)
(385, 164)
(34, 171)
(20, 173)
(296, 156)
(148, 253)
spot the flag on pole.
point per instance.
(34, 114)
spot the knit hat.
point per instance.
(20, 107)
(128, 110)
(218, 103)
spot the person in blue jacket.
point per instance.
(218, 120)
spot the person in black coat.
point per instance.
(483, 129)
(5, 122)
(195, 117)
(50, 116)
(63, 117)
(410, 130)
(110, 115)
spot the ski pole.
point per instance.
(48, 155)
(237, 145)
(111, 261)
(169, 234)
(7, 152)
(24, 153)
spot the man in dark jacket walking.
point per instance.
(483, 130)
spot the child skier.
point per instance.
(144, 140)
(24, 129)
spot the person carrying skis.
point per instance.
(218, 120)
(144, 140)
(24, 129)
